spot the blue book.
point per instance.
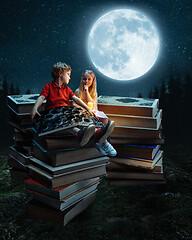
(137, 151)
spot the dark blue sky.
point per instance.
(35, 34)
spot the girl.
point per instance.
(87, 92)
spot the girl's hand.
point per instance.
(85, 87)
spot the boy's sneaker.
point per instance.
(105, 132)
(85, 133)
(108, 148)
(100, 149)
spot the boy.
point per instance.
(58, 94)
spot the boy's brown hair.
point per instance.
(59, 68)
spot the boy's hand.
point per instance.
(91, 111)
(33, 113)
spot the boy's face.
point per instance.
(65, 76)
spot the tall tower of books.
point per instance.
(137, 139)
(62, 176)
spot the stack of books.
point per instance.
(62, 176)
(19, 107)
(62, 204)
(137, 139)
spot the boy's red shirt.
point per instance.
(56, 96)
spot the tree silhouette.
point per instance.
(163, 96)
(12, 89)
(17, 90)
(156, 93)
(5, 129)
(139, 95)
(175, 100)
(150, 95)
(163, 105)
(5, 86)
(187, 90)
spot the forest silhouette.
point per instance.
(174, 99)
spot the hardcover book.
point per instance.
(137, 133)
(20, 156)
(22, 137)
(68, 168)
(58, 142)
(19, 175)
(21, 118)
(128, 106)
(26, 129)
(23, 103)
(23, 147)
(135, 175)
(60, 192)
(65, 202)
(57, 120)
(62, 180)
(140, 141)
(61, 157)
(41, 211)
(125, 164)
(137, 121)
(16, 164)
(136, 151)
(131, 182)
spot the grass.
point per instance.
(118, 213)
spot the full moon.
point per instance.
(123, 44)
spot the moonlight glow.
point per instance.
(123, 44)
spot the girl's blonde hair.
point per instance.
(92, 89)
(59, 68)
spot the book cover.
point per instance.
(68, 168)
(136, 132)
(58, 120)
(138, 162)
(136, 150)
(23, 103)
(137, 121)
(128, 106)
(135, 175)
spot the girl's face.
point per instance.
(87, 79)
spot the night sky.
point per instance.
(35, 34)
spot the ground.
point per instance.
(134, 212)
